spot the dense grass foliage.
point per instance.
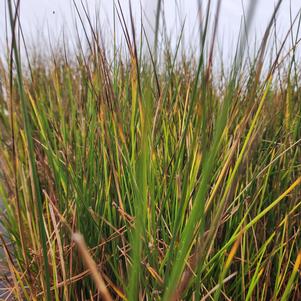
(184, 182)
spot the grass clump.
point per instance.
(183, 182)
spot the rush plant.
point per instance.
(157, 178)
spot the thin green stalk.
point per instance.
(28, 133)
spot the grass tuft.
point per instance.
(159, 178)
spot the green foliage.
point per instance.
(184, 189)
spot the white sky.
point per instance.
(40, 16)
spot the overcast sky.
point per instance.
(55, 16)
